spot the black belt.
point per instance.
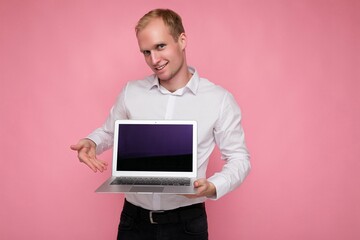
(168, 216)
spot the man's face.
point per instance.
(164, 55)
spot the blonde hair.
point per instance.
(171, 19)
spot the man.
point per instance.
(175, 91)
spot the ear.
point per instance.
(182, 40)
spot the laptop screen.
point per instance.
(155, 147)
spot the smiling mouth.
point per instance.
(161, 67)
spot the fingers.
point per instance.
(95, 165)
(201, 186)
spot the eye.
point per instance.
(161, 46)
(146, 53)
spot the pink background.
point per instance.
(293, 66)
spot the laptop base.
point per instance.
(107, 187)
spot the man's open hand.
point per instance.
(87, 154)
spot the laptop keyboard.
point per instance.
(151, 181)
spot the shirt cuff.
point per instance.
(97, 140)
(221, 184)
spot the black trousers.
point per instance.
(186, 223)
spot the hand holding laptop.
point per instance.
(87, 154)
(204, 188)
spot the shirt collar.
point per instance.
(192, 85)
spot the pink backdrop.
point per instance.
(293, 66)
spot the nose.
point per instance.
(155, 59)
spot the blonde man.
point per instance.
(174, 91)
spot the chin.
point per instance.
(164, 77)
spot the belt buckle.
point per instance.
(151, 216)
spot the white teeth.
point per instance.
(161, 67)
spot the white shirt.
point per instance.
(218, 117)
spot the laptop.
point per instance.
(153, 156)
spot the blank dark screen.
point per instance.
(155, 147)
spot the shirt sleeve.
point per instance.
(229, 137)
(104, 135)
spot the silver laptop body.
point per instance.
(153, 156)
